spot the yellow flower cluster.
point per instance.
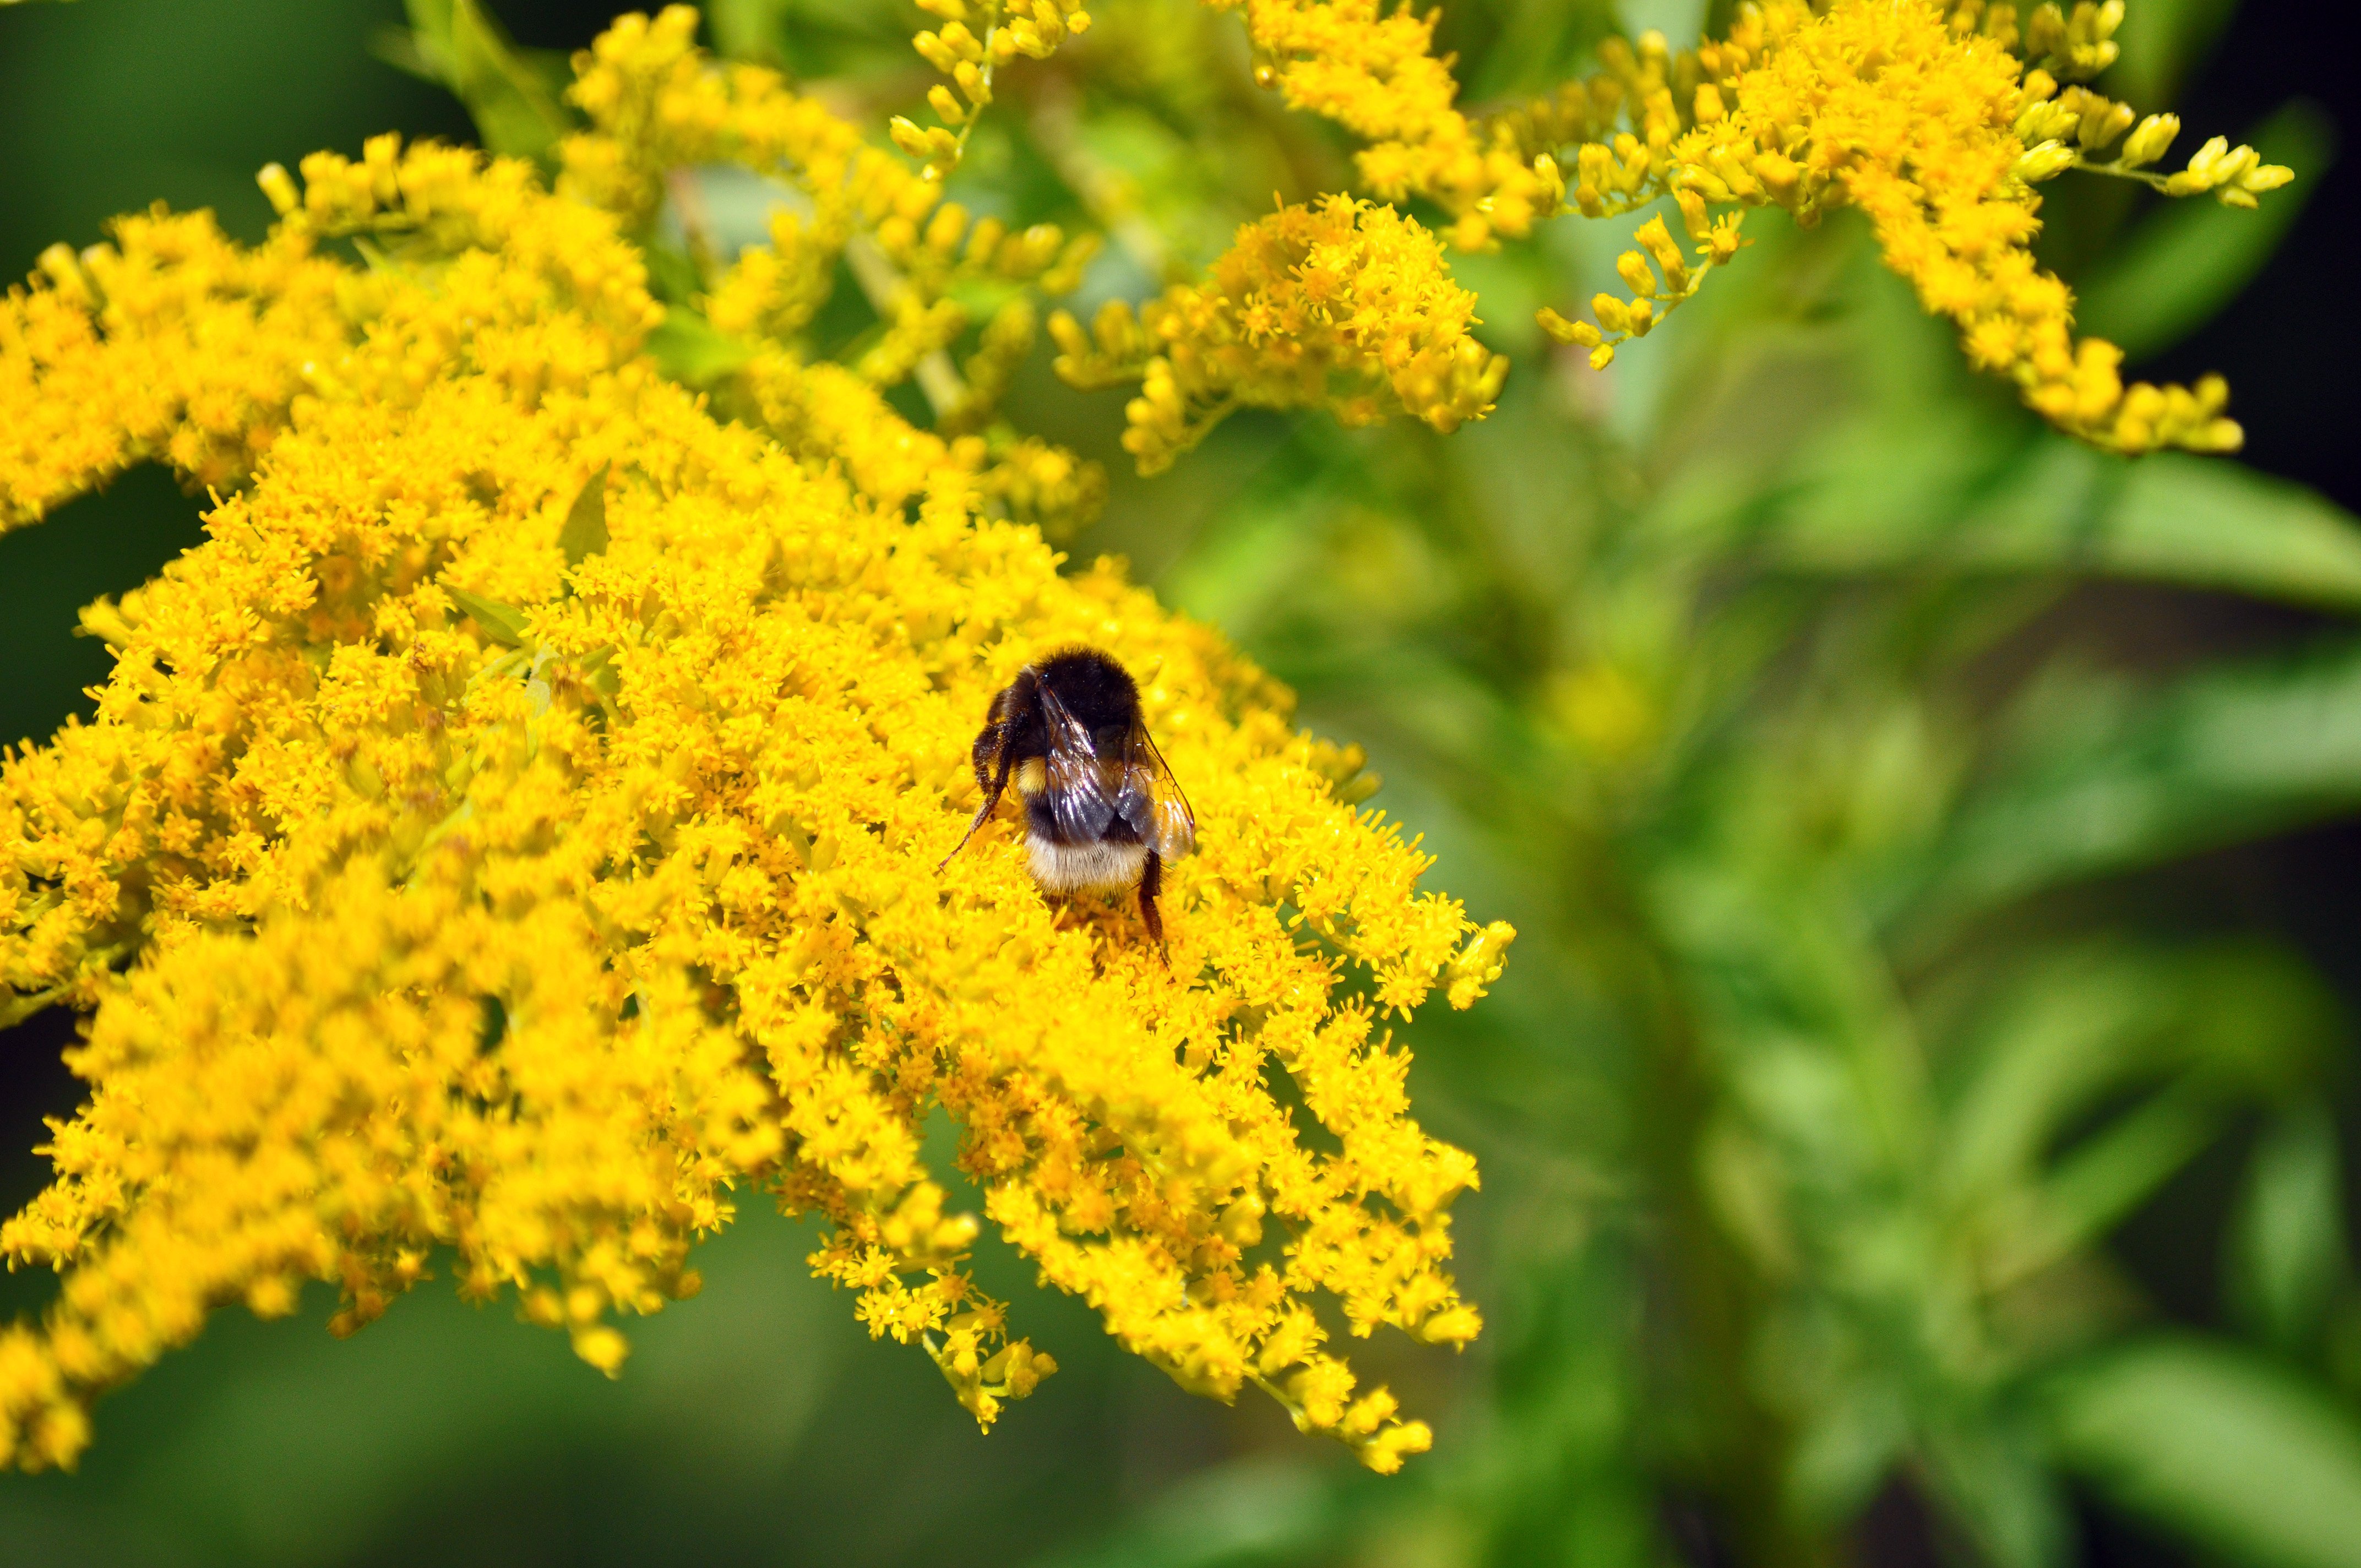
(975, 39)
(1920, 115)
(1369, 67)
(153, 318)
(1341, 305)
(512, 833)
(657, 104)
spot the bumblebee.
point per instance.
(1101, 810)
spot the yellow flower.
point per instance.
(512, 834)
(657, 104)
(975, 41)
(1342, 306)
(141, 329)
(1368, 66)
(1902, 108)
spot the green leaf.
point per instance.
(2191, 258)
(1990, 1473)
(2196, 522)
(750, 29)
(2055, 506)
(2102, 787)
(2102, 1181)
(584, 533)
(2287, 1252)
(503, 623)
(2073, 1033)
(508, 91)
(2212, 1441)
(2161, 39)
(1249, 1511)
(688, 348)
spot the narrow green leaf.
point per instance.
(599, 673)
(1250, 1511)
(584, 533)
(2070, 1035)
(503, 623)
(2225, 756)
(2052, 1040)
(1988, 1467)
(511, 97)
(751, 30)
(2056, 506)
(2161, 40)
(2212, 1441)
(2111, 1173)
(2191, 258)
(2197, 522)
(2287, 1252)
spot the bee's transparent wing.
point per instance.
(1151, 799)
(1078, 787)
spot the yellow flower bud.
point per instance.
(279, 189)
(1632, 268)
(2045, 161)
(2102, 121)
(1659, 244)
(2151, 140)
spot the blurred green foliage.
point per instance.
(1837, 737)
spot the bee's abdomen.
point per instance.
(1072, 868)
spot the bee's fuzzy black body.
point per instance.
(1101, 808)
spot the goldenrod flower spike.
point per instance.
(1919, 115)
(510, 838)
(146, 347)
(1341, 305)
(975, 40)
(1368, 66)
(656, 103)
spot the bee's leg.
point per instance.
(994, 763)
(1151, 881)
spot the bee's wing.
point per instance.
(1152, 800)
(1081, 794)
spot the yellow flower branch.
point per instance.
(1921, 116)
(511, 837)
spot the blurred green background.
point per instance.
(1916, 1121)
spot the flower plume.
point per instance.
(1340, 305)
(1924, 117)
(451, 883)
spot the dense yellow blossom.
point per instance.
(512, 834)
(1342, 306)
(657, 104)
(149, 325)
(1368, 66)
(1921, 116)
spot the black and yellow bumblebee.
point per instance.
(1101, 809)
